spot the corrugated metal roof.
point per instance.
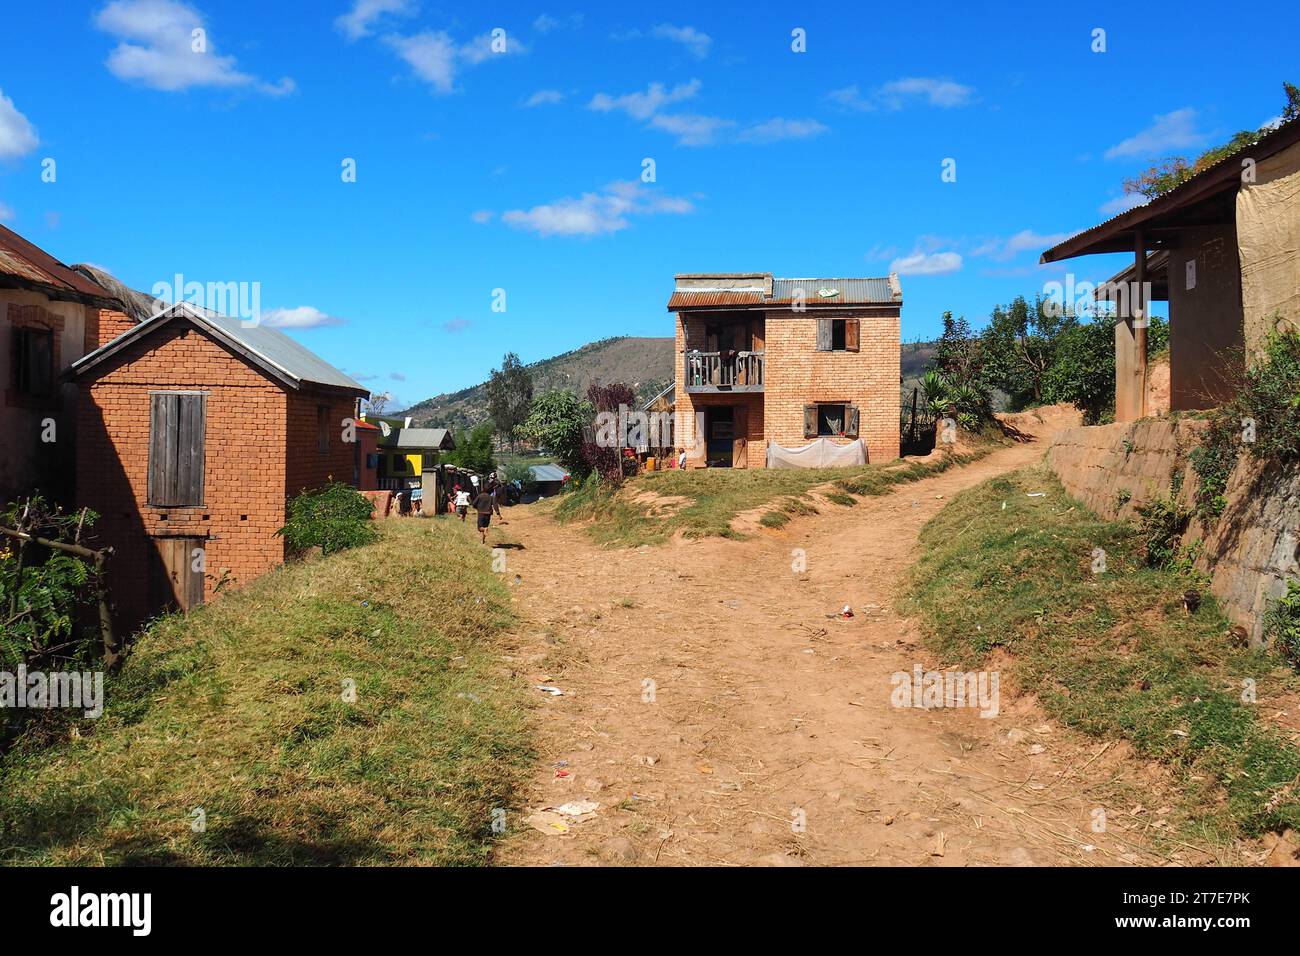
(816, 293)
(548, 472)
(696, 300)
(865, 291)
(278, 354)
(416, 438)
(30, 264)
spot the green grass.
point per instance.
(238, 709)
(1114, 655)
(714, 497)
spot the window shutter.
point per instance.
(190, 445)
(177, 428)
(823, 335)
(810, 421)
(851, 335)
(851, 421)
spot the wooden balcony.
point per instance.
(724, 371)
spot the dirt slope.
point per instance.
(767, 712)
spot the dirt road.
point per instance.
(767, 735)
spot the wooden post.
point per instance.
(1142, 319)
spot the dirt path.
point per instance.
(767, 713)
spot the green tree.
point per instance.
(556, 424)
(473, 450)
(510, 396)
(1020, 345)
(1084, 371)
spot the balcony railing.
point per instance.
(724, 371)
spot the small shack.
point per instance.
(193, 430)
(549, 479)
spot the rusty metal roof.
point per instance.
(25, 265)
(706, 300)
(815, 293)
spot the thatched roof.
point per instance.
(139, 305)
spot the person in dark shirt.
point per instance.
(483, 505)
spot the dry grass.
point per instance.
(238, 710)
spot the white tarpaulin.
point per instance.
(823, 453)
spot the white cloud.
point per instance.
(544, 98)
(435, 57)
(157, 48)
(691, 129)
(926, 264)
(17, 135)
(1113, 207)
(361, 20)
(545, 23)
(1025, 240)
(431, 56)
(1168, 133)
(769, 131)
(7, 213)
(644, 105)
(935, 92)
(596, 213)
(898, 94)
(299, 317)
(482, 216)
(696, 42)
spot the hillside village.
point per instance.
(770, 587)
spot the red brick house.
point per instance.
(192, 432)
(764, 361)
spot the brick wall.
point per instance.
(104, 325)
(306, 465)
(244, 462)
(796, 374)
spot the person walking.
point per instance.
(483, 505)
(462, 502)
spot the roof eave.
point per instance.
(1103, 237)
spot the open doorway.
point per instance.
(720, 426)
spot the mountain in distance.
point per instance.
(647, 364)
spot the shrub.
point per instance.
(1264, 420)
(331, 518)
(1282, 625)
(1162, 524)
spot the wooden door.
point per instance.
(178, 572)
(740, 439)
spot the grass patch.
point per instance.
(714, 497)
(238, 709)
(1114, 654)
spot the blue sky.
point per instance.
(521, 170)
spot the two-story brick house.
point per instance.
(764, 361)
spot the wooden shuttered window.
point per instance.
(810, 421)
(851, 421)
(177, 427)
(836, 335)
